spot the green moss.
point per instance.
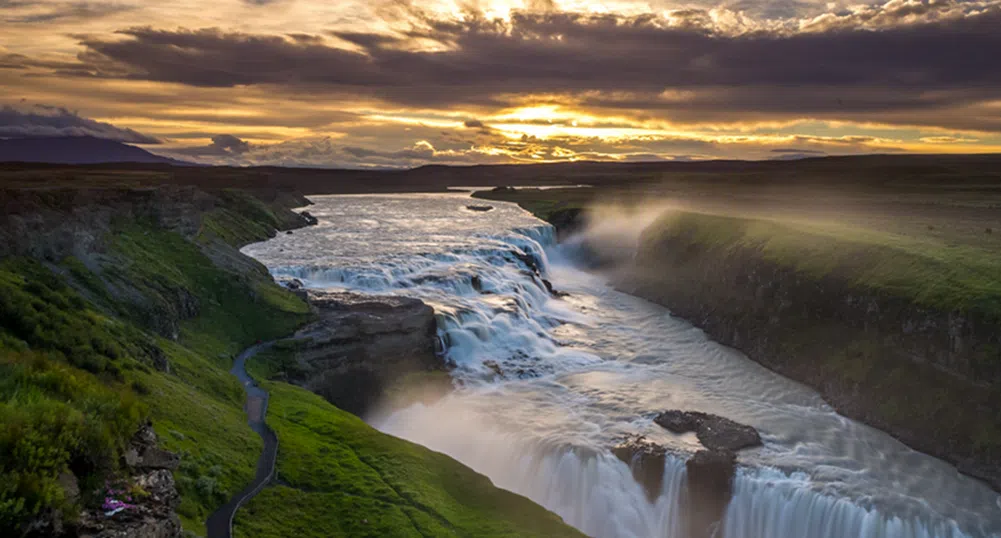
(240, 220)
(233, 309)
(343, 478)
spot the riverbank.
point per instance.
(122, 305)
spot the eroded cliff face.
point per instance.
(359, 347)
(93, 227)
(931, 378)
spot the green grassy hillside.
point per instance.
(929, 271)
(145, 327)
(84, 362)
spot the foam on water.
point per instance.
(547, 386)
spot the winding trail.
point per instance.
(220, 523)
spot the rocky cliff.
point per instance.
(929, 376)
(359, 347)
(88, 226)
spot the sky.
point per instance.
(401, 83)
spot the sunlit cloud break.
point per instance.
(394, 84)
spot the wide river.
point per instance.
(545, 386)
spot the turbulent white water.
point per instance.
(546, 386)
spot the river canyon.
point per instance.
(546, 385)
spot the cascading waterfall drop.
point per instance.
(547, 386)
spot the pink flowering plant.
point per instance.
(117, 498)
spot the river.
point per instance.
(546, 386)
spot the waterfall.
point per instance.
(595, 492)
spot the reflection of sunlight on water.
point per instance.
(549, 385)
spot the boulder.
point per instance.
(553, 291)
(716, 433)
(308, 219)
(481, 208)
(528, 260)
(144, 454)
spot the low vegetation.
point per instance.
(337, 476)
(929, 271)
(66, 401)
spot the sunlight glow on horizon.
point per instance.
(456, 81)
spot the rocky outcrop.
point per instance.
(361, 345)
(308, 219)
(708, 488)
(708, 482)
(567, 221)
(152, 516)
(714, 432)
(144, 503)
(646, 461)
(53, 224)
(143, 453)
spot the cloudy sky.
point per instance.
(391, 83)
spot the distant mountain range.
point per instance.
(76, 150)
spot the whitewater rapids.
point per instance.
(545, 386)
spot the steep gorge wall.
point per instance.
(930, 377)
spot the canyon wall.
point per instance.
(929, 376)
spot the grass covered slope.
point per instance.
(139, 327)
(930, 272)
(337, 476)
(66, 404)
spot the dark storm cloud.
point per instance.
(635, 63)
(40, 120)
(230, 144)
(26, 11)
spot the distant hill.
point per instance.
(76, 150)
